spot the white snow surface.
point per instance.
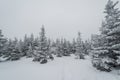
(65, 68)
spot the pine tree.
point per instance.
(79, 47)
(69, 48)
(107, 57)
(87, 47)
(14, 53)
(3, 42)
(30, 51)
(31, 46)
(42, 50)
(65, 48)
(73, 46)
(32, 41)
(58, 48)
(21, 47)
(25, 45)
(49, 51)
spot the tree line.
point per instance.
(42, 48)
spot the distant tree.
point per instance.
(49, 51)
(79, 47)
(36, 43)
(58, 48)
(13, 48)
(66, 48)
(21, 47)
(25, 45)
(3, 42)
(31, 46)
(87, 47)
(69, 47)
(32, 41)
(73, 46)
(42, 50)
(30, 51)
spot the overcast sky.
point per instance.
(61, 18)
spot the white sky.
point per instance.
(61, 18)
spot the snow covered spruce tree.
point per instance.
(87, 47)
(31, 46)
(30, 51)
(21, 47)
(65, 47)
(79, 47)
(13, 50)
(107, 56)
(73, 46)
(2, 44)
(58, 50)
(25, 45)
(42, 51)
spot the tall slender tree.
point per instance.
(42, 50)
(79, 47)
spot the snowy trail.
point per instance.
(65, 68)
(66, 72)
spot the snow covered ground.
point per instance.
(65, 68)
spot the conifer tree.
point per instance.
(73, 46)
(25, 45)
(31, 46)
(87, 47)
(42, 50)
(2, 44)
(14, 53)
(58, 48)
(79, 47)
(107, 57)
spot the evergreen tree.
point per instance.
(73, 46)
(65, 48)
(3, 42)
(107, 57)
(49, 51)
(31, 46)
(32, 41)
(79, 47)
(21, 47)
(14, 53)
(69, 47)
(36, 42)
(26, 45)
(30, 51)
(58, 48)
(87, 47)
(42, 50)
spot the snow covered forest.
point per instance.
(41, 58)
